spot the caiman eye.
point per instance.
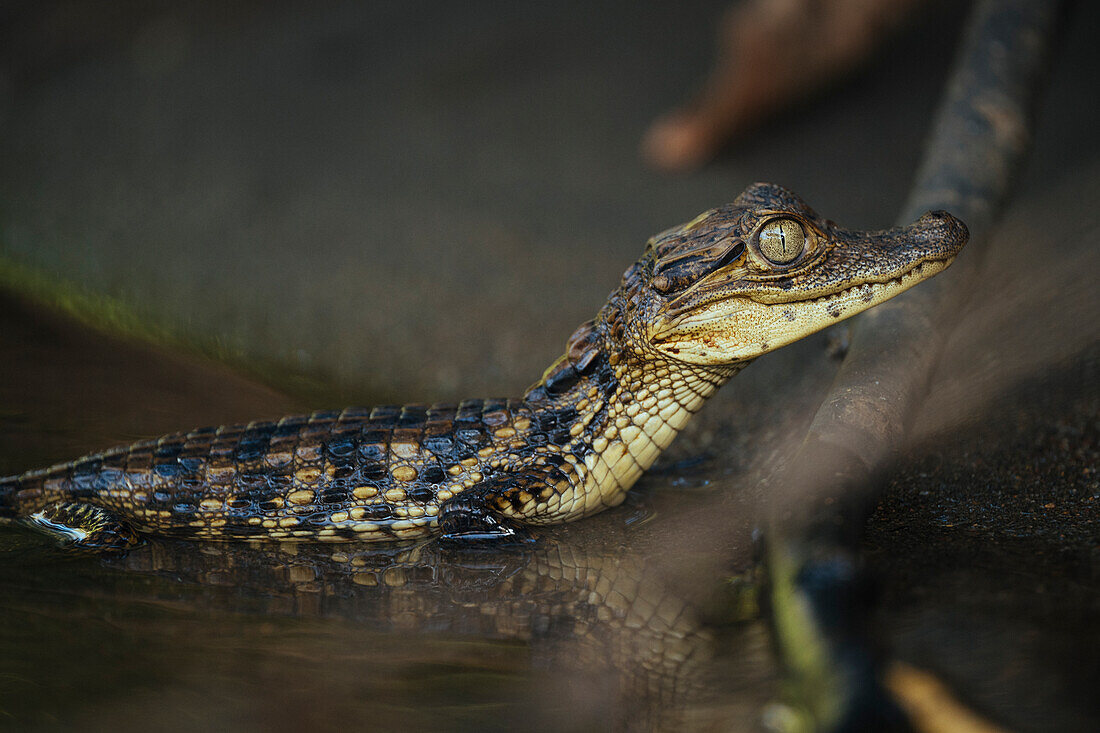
(781, 241)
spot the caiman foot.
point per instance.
(84, 527)
(466, 522)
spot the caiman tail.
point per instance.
(18, 492)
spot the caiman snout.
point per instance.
(939, 230)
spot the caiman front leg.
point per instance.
(82, 526)
(478, 514)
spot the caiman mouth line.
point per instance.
(935, 265)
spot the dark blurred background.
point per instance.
(391, 196)
(215, 212)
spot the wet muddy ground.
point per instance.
(985, 546)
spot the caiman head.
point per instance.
(745, 279)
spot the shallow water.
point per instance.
(643, 617)
(594, 625)
(578, 632)
(264, 638)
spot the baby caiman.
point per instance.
(704, 300)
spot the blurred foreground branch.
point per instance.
(822, 498)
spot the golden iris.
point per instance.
(781, 241)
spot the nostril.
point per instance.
(950, 221)
(942, 217)
(940, 229)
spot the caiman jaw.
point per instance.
(749, 305)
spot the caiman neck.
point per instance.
(611, 407)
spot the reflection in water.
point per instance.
(598, 614)
(552, 635)
(592, 628)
